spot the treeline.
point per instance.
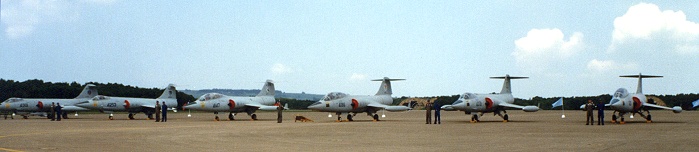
(40, 89)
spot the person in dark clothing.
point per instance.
(59, 111)
(157, 111)
(428, 108)
(164, 108)
(437, 116)
(279, 112)
(600, 113)
(52, 115)
(589, 107)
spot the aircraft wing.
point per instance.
(389, 108)
(262, 107)
(525, 108)
(675, 109)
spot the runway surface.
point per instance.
(398, 131)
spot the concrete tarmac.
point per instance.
(398, 131)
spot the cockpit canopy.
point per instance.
(468, 95)
(334, 95)
(210, 96)
(13, 100)
(621, 93)
(100, 97)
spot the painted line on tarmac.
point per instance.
(10, 150)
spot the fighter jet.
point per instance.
(110, 105)
(216, 102)
(472, 103)
(33, 106)
(622, 102)
(342, 103)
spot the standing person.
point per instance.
(279, 112)
(437, 116)
(157, 111)
(58, 111)
(52, 115)
(164, 108)
(600, 113)
(428, 108)
(589, 107)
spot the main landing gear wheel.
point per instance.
(613, 118)
(216, 118)
(230, 116)
(253, 116)
(65, 115)
(131, 116)
(505, 118)
(622, 121)
(349, 117)
(376, 117)
(648, 120)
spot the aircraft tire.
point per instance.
(230, 116)
(376, 117)
(253, 116)
(131, 116)
(614, 118)
(648, 118)
(506, 117)
(25, 117)
(349, 117)
(216, 118)
(65, 115)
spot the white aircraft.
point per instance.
(132, 105)
(35, 106)
(216, 102)
(342, 103)
(484, 103)
(622, 102)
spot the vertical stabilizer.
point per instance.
(88, 92)
(506, 88)
(170, 92)
(640, 77)
(267, 89)
(385, 88)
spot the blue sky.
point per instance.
(576, 48)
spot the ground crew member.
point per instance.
(157, 111)
(589, 107)
(52, 115)
(58, 111)
(437, 116)
(164, 108)
(428, 108)
(279, 112)
(600, 113)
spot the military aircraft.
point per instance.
(109, 104)
(472, 103)
(34, 106)
(342, 103)
(622, 102)
(216, 102)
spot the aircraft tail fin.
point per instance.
(170, 92)
(385, 88)
(88, 92)
(640, 77)
(267, 89)
(506, 88)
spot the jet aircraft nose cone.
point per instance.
(191, 106)
(84, 104)
(316, 106)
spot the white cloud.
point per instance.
(22, 17)
(280, 69)
(543, 46)
(356, 76)
(646, 25)
(608, 65)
